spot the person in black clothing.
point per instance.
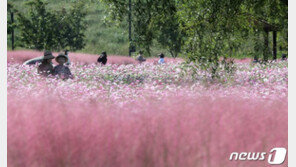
(103, 58)
(140, 57)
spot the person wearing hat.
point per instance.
(140, 58)
(103, 58)
(46, 68)
(61, 70)
(161, 58)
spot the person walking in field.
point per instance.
(161, 58)
(103, 58)
(46, 67)
(140, 58)
(61, 70)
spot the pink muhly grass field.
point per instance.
(177, 131)
(145, 115)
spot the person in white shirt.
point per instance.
(161, 58)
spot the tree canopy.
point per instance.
(204, 29)
(53, 30)
(151, 21)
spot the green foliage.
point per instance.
(217, 28)
(142, 15)
(191, 26)
(52, 30)
(210, 33)
(273, 12)
(169, 33)
(71, 27)
(268, 16)
(99, 35)
(10, 25)
(151, 21)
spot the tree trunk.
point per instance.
(130, 27)
(148, 51)
(266, 48)
(257, 48)
(12, 31)
(274, 33)
(173, 54)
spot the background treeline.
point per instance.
(98, 35)
(201, 30)
(41, 29)
(206, 29)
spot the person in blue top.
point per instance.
(161, 58)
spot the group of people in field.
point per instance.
(141, 58)
(63, 71)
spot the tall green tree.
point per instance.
(52, 30)
(210, 26)
(143, 13)
(167, 25)
(38, 29)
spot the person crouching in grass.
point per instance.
(46, 67)
(103, 58)
(61, 70)
(141, 58)
(161, 58)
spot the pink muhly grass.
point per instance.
(167, 60)
(23, 55)
(20, 56)
(144, 115)
(180, 130)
